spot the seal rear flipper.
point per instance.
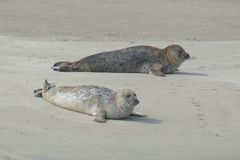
(48, 86)
(136, 114)
(63, 66)
(37, 92)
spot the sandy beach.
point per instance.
(192, 114)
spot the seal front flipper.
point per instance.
(100, 116)
(156, 69)
(137, 114)
(158, 73)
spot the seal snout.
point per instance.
(187, 56)
(136, 101)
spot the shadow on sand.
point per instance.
(143, 120)
(191, 74)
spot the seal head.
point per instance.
(122, 106)
(178, 52)
(174, 56)
(126, 99)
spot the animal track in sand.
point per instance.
(200, 113)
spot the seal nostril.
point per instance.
(137, 101)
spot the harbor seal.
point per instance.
(137, 59)
(100, 102)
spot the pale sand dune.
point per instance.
(116, 20)
(193, 114)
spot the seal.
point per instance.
(100, 102)
(137, 59)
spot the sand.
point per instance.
(121, 20)
(192, 114)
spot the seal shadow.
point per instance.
(143, 120)
(191, 74)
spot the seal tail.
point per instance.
(63, 66)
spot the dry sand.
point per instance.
(148, 20)
(193, 114)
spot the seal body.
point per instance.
(137, 59)
(100, 102)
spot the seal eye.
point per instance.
(128, 96)
(180, 53)
(134, 95)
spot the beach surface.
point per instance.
(192, 114)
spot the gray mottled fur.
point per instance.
(137, 59)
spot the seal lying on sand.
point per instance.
(137, 59)
(100, 102)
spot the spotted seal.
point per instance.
(137, 59)
(100, 102)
